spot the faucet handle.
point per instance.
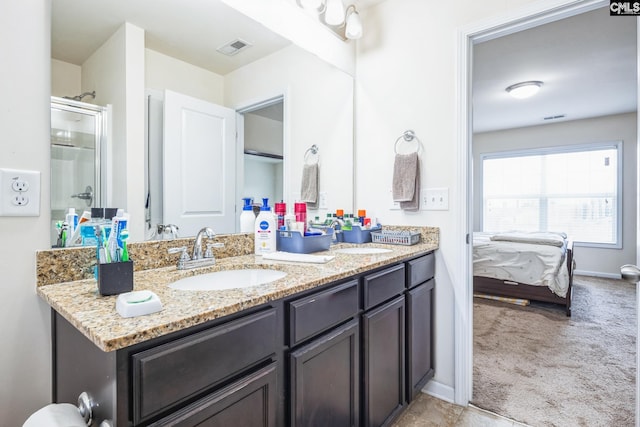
(183, 252)
(209, 252)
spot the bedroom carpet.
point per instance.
(537, 366)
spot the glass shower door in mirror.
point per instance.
(78, 132)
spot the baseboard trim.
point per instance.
(440, 391)
(596, 274)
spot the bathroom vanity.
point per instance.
(349, 342)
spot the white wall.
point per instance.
(406, 79)
(25, 362)
(610, 128)
(65, 79)
(318, 109)
(262, 134)
(116, 72)
(164, 72)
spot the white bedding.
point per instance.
(527, 263)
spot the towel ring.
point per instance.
(311, 151)
(408, 136)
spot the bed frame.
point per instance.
(509, 289)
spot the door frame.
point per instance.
(279, 96)
(528, 16)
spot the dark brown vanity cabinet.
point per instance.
(383, 346)
(324, 360)
(349, 353)
(225, 370)
(420, 300)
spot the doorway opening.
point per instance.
(468, 39)
(261, 128)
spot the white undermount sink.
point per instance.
(227, 279)
(363, 251)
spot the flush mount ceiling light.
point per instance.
(524, 89)
(344, 22)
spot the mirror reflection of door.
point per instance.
(78, 130)
(263, 152)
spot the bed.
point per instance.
(536, 266)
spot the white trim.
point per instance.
(440, 391)
(530, 15)
(596, 274)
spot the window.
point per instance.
(573, 189)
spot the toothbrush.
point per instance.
(124, 235)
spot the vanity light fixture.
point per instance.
(353, 29)
(334, 15)
(524, 89)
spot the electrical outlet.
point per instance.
(20, 185)
(19, 192)
(434, 199)
(20, 200)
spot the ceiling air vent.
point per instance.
(559, 116)
(233, 47)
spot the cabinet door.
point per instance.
(384, 359)
(419, 337)
(325, 380)
(248, 402)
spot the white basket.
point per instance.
(396, 237)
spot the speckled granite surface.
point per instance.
(95, 316)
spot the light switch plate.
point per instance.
(19, 192)
(323, 200)
(434, 199)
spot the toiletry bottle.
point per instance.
(362, 213)
(247, 217)
(300, 210)
(72, 221)
(289, 221)
(281, 211)
(265, 229)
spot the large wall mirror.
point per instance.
(141, 57)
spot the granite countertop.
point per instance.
(95, 316)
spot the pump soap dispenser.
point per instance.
(247, 217)
(265, 229)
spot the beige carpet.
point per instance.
(537, 366)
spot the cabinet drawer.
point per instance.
(174, 372)
(322, 310)
(381, 286)
(420, 270)
(250, 401)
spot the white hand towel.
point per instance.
(309, 187)
(405, 169)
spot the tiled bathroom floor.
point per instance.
(427, 411)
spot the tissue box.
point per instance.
(294, 241)
(115, 278)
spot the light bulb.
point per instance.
(354, 26)
(334, 15)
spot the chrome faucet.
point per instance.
(199, 259)
(197, 246)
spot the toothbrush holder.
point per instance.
(115, 278)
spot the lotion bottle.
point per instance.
(265, 230)
(247, 217)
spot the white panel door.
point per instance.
(199, 165)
